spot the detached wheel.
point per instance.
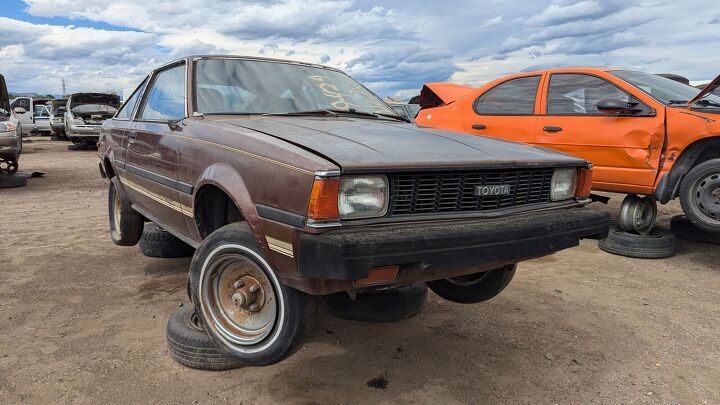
(12, 181)
(638, 214)
(8, 166)
(386, 305)
(248, 312)
(126, 224)
(658, 244)
(683, 228)
(700, 195)
(474, 288)
(157, 242)
(190, 346)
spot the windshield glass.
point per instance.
(234, 86)
(666, 91)
(87, 108)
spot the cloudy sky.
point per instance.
(392, 46)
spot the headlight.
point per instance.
(563, 184)
(363, 197)
(77, 121)
(57, 120)
(7, 127)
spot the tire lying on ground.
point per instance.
(190, 346)
(658, 244)
(13, 181)
(385, 305)
(683, 228)
(157, 242)
(474, 288)
(126, 224)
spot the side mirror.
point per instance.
(618, 107)
(19, 110)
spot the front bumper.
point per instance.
(441, 248)
(84, 131)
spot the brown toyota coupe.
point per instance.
(292, 180)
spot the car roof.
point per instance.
(573, 69)
(245, 57)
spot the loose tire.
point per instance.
(245, 308)
(683, 228)
(190, 346)
(386, 305)
(700, 195)
(658, 244)
(12, 181)
(157, 242)
(474, 288)
(126, 224)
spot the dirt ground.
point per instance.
(83, 321)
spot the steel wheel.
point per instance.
(239, 299)
(638, 214)
(706, 193)
(117, 209)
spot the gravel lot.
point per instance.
(83, 321)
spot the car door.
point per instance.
(116, 135)
(625, 149)
(506, 110)
(151, 156)
(25, 119)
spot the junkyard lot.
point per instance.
(83, 320)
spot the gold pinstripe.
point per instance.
(280, 246)
(181, 208)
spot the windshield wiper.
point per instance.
(708, 103)
(681, 102)
(337, 112)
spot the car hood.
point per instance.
(365, 145)
(94, 98)
(4, 96)
(706, 90)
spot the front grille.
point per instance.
(428, 193)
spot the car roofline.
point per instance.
(190, 58)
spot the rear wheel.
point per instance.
(157, 242)
(245, 308)
(474, 288)
(700, 195)
(126, 224)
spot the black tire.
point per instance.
(386, 305)
(190, 346)
(683, 228)
(700, 195)
(157, 242)
(126, 224)
(12, 181)
(231, 254)
(658, 244)
(77, 146)
(474, 288)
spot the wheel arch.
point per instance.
(697, 152)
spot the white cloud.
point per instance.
(390, 46)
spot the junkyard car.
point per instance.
(645, 134)
(292, 180)
(42, 119)
(85, 114)
(57, 117)
(10, 135)
(408, 111)
(27, 119)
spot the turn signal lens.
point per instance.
(324, 199)
(584, 183)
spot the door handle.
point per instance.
(552, 129)
(479, 126)
(131, 137)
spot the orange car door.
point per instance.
(625, 149)
(506, 110)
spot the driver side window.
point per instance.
(165, 100)
(578, 94)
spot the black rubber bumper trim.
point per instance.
(348, 254)
(279, 215)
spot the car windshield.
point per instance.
(87, 108)
(236, 86)
(664, 90)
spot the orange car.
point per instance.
(645, 134)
